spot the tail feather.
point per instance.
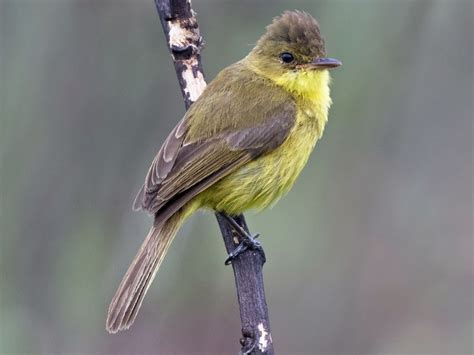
(129, 296)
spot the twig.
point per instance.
(256, 336)
(184, 41)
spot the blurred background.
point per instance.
(371, 252)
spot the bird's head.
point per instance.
(292, 49)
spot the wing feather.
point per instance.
(185, 166)
(162, 164)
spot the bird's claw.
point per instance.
(248, 242)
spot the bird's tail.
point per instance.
(129, 296)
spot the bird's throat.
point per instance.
(307, 85)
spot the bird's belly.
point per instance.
(261, 182)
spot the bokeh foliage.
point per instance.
(371, 253)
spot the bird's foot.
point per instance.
(248, 241)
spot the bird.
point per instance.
(240, 146)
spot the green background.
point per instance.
(370, 253)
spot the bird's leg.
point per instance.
(248, 241)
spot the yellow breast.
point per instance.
(263, 181)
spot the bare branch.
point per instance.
(185, 43)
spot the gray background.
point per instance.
(371, 252)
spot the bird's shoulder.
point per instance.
(236, 99)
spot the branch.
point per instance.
(185, 43)
(256, 336)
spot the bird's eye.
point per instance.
(287, 57)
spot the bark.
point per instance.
(185, 43)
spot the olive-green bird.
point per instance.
(240, 146)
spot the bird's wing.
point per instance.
(185, 167)
(161, 166)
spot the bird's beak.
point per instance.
(325, 63)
